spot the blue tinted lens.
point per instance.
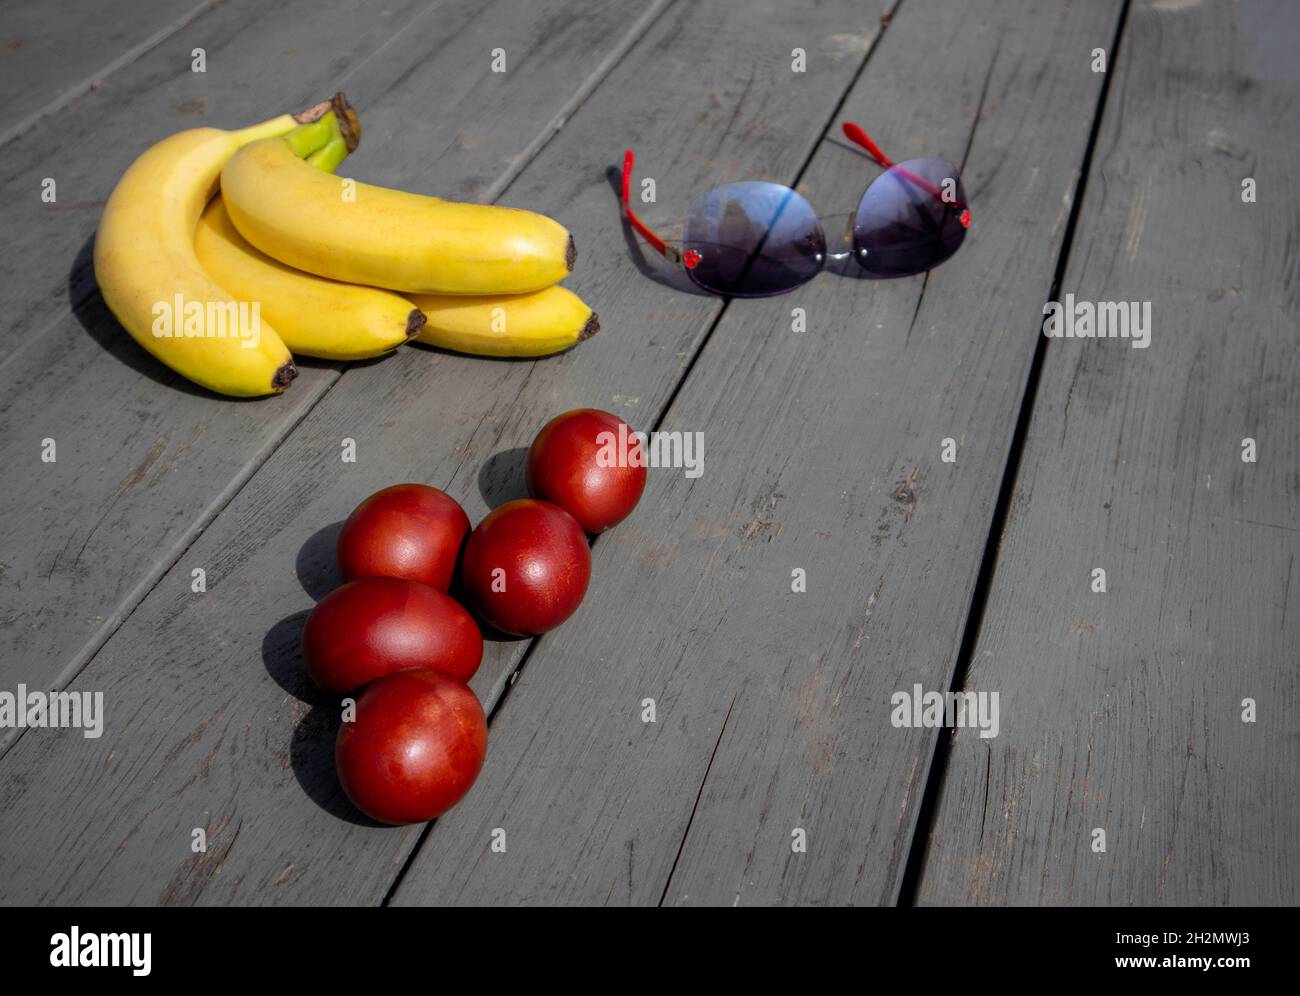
(910, 218)
(754, 239)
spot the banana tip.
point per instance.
(590, 328)
(283, 376)
(414, 323)
(570, 254)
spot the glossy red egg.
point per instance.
(408, 531)
(377, 626)
(526, 567)
(413, 749)
(590, 464)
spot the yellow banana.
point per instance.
(538, 324)
(314, 316)
(152, 280)
(363, 234)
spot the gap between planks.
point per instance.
(942, 750)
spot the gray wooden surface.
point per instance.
(140, 474)
(53, 53)
(459, 410)
(773, 706)
(1123, 711)
(822, 452)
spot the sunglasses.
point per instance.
(755, 239)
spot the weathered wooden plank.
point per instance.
(1123, 711)
(822, 452)
(52, 53)
(210, 721)
(144, 461)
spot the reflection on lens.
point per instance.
(754, 239)
(909, 220)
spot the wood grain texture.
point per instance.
(145, 460)
(211, 722)
(822, 453)
(1123, 711)
(53, 53)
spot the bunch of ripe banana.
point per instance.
(287, 257)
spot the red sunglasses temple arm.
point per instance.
(858, 136)
(646, 231)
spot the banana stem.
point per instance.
(313, 136)
(311, 130)
(330, 156)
